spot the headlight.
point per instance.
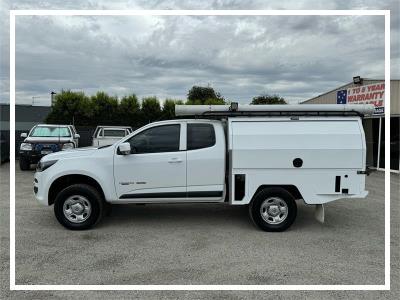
(25, 146)
(43, 165)
(68, 146)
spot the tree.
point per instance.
(268, 99)
(168, 110)
(214, 101)
(69, 108)
(129, 111)
(151, 109)
(204, 95)
(104, 109)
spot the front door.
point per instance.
(156, 168)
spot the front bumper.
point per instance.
(32, 156)
(39, 150)
(40, 191)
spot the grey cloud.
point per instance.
(297, 57)
(80, 53)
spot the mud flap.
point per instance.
(319, 213)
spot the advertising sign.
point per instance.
(365, 94)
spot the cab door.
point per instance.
(205, 161)
(155, 171)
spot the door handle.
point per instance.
(174, 161)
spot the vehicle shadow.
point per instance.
(182, 213)
(194, 215)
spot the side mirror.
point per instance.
(24, 135)
(77, 136)
(124, 148)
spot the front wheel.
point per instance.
(273, 209)
(79, 207)
(24, 164)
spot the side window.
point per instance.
(200, 136)
(164, 138)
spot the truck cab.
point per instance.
(173, 161)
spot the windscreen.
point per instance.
(49, 131)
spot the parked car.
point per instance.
(43, 139)
(249, 158)
(107, 135)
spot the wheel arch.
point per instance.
(66, 180)
(292, 189)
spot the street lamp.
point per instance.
(52, 97)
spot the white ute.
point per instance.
(264, 156)
(107, 135)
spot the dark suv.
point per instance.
(45, 139)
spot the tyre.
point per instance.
(107, 209)
(273, 209)
(79, 206)
(24, 164)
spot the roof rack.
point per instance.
(234, 110)
(280, 113)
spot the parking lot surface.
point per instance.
(201, 244)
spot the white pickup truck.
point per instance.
(107, 135)
(266, 157)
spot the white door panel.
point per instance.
(206, 165)
(157, 167)
(150, 173)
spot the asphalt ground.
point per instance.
(201, 244)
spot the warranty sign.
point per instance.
(368, 94)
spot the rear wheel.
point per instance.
(24, 164)
(273, 209)
(79, 207)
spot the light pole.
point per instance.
(52, 97)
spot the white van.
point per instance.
(267, 157)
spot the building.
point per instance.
(26, 116)
(362, 90)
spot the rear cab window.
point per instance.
(114, 132)
(200, 135)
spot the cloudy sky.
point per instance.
(241, 57)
